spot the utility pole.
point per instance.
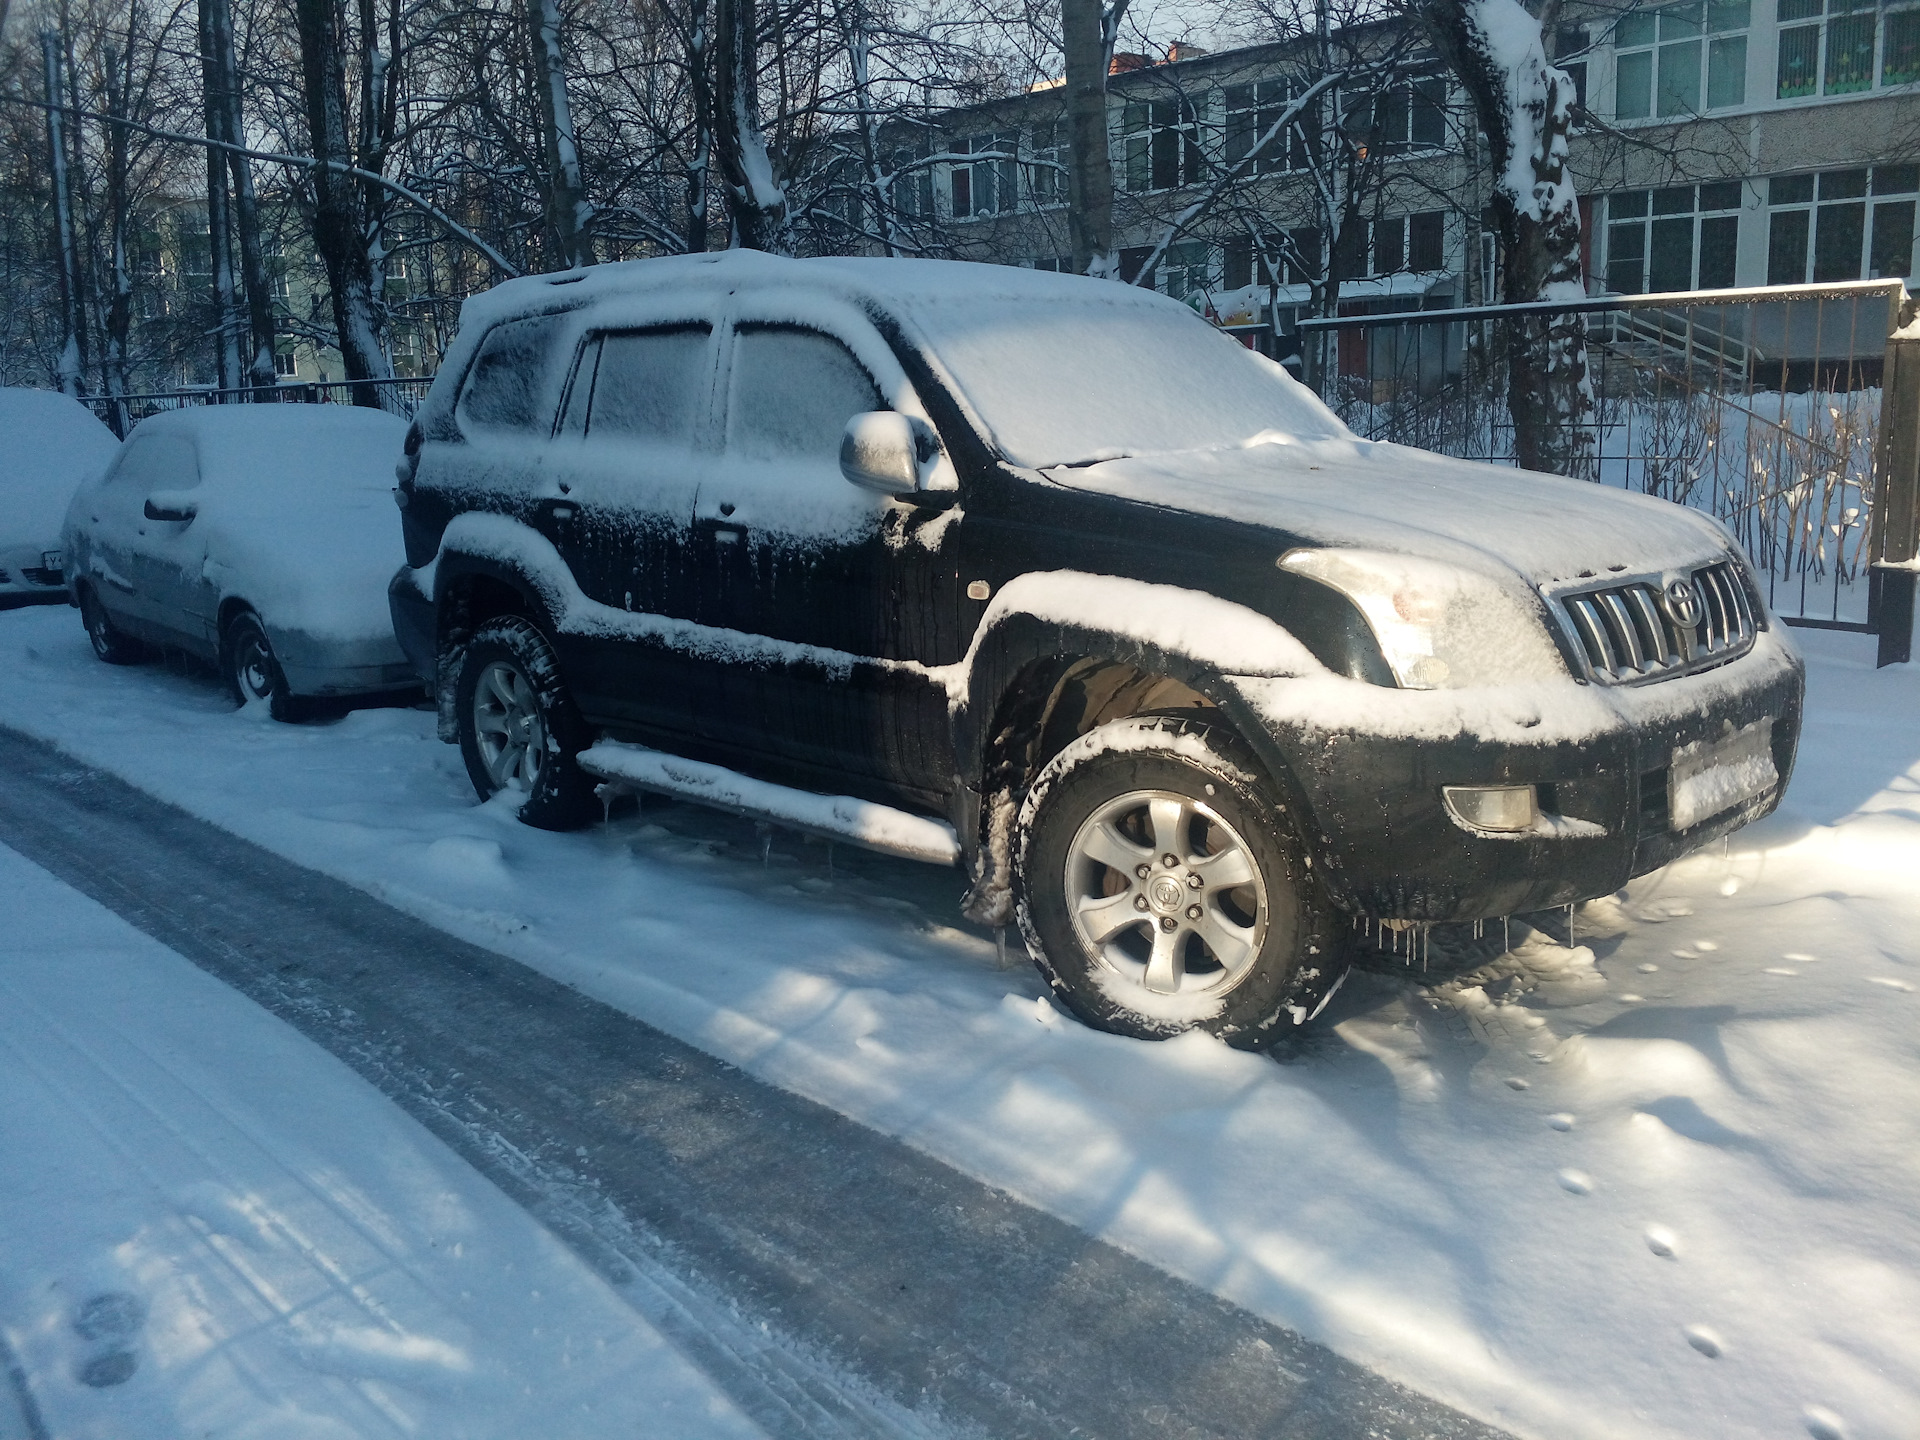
(72, 357)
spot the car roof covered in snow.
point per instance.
(53, 442)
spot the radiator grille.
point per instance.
(1636, 630)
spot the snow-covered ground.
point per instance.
(1660, 1185)
(214, 1228)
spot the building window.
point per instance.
(1681, 238)
(1046, 164)
(1834, 46)
(1841, 225)
(1668, 61)
(1253, 110)
(986, 187)
(1412, 114)
(1409, 242)
(911, 188)
(1570, 46)
(286, 365)
(1162, 144)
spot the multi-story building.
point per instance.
(1723, 143)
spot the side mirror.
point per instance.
(171, 505)
(883, 450)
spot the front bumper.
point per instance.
(26, 578)
(1369, 763)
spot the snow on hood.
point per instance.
(53, 444)
(296, 511)
(1487, 518)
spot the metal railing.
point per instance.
(401, 395)
(1760, 406)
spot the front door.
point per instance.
(841, 579)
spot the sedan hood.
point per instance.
(1488, 518)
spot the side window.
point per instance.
(508, 386)
(157, 462)
(650, 385)
(793, 392)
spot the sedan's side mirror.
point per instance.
(883, 450)
(171, 505)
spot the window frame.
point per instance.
(1890, 188)
(1815, 21)
(1654, 213)
(1719, 34)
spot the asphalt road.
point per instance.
(835, 1282)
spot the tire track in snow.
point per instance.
(833, 1281)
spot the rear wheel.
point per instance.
(519, 728)
(1161, 887)
(109, 642)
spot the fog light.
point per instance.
(1493, 807)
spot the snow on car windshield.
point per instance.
(1058, 383)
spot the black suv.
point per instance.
(1045, 577)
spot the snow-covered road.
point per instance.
(1658, 1187)
(212, 1227)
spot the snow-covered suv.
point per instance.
(1045, 577)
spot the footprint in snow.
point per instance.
(108, 1323)
(1706, 1341)
(1706, 945)
(1823, 1424)
(1780, 970)
(1562, 1121)
(1648, 969)
(1575, 1182)
(1514, 1082)
(1890, 983)
(1663, 1242)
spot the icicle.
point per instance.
(829, 860)
(1000, 960)
(765, 832)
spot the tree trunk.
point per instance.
(72, 361)
(756, 201)
(219, 225)
(567, 209)
(337, 219)
(1090, 181)
(1523, 104)
(700, 96)
(120, 303)
(246, 204)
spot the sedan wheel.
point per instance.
(108, 642)
(253, 674)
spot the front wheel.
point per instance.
(253, 673)
(1161, 887)
(519, 728)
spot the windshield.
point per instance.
(1058, 383)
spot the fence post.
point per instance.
(1896, 570)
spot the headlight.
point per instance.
(1439, 626)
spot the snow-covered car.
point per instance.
(1043, 576)
(53, 443)
(259, 537)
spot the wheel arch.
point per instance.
(1036, 685)
(470, 590)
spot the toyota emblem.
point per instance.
(1681, 601)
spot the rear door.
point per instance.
(624, 471)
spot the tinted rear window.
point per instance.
(510, 385)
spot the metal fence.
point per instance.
(401, 395)
(1761, 406)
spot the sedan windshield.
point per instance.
(1066, 383)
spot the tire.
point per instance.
(109, 642)
(1236, 937)
(519, 728)
(252, 672)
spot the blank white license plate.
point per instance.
(1710, 777)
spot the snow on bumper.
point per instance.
(1371, 762)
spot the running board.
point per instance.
(832, 817)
